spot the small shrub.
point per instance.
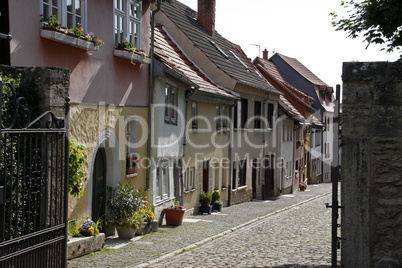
(205, 198)
(216, 197)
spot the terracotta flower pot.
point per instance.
(174, 216)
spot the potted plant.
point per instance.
(174, 214)
(149, 224)
(302, 186)
(131, 163)
(205, 201)
(110, 229)
(216, 201)
(123, 201)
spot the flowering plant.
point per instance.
(176, 205)
(131, 161)
(302, 184)
(78, 31)
(130, 47)
(89, 228)
(148, 214)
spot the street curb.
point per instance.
(231, 230)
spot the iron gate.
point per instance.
(33, 185)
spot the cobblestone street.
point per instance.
(299, 236)
(292, 230)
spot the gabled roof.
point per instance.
(302, 70)
(220, 51)
(167, 52)
(319, 86)
(272, 71)
(290, 110)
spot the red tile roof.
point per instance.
(167, 52)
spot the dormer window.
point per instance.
(127, 21)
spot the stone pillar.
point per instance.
(51, 83)
(371, 164)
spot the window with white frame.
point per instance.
(216, 176)
(171, 100)
(192, 174)
(224, 118)
(270, 115)
(223, 177)
(127, 21)
(243, 113)
(241, 180)
(218, 119)
(162, 181)
(194, 115)
(284, 132)
(318, 167)
(317, 138)
(257, 114)
(70, 13)
(131, 145)
(186, 181)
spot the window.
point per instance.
(192, 174)
(216, 176)
(170, 104)
(284, 132)
(317, 138)
(131, 145)
(218, 119)
(243, 113)
(162, 181)
(127, 21)
(270, 115)
(194, 114)
(298, 134)
(186, 181)
(318, 166)
(257, 114)
(223, 179)
(234, 175)
(224, 118)
(242, 173)
(235, 117)
(70, 13)
(290, 134)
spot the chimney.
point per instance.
(265, 54)
(206, 15)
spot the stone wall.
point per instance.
(51, 83)
(372, 165)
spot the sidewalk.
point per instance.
(195, 231)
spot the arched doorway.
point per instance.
(99, 185)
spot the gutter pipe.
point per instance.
(151, 88)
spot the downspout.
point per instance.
(264, 138)
(189, 93)
(230, 153)
(151, 89)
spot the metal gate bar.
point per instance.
(33, 185)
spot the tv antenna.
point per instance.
(259, 48)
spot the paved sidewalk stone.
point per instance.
(297, 235)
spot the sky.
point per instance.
(294, 28)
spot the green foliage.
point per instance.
(380, 21)
(78, 31)
(216, 197)
(74, 229)
(130, 47)
(76, 173)
(205, 199)
(124, 203)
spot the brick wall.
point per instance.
(372, 165)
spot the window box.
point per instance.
(126, 54)
(61, 37)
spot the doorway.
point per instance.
(268, 188)
(99, 186)
(254, 177)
